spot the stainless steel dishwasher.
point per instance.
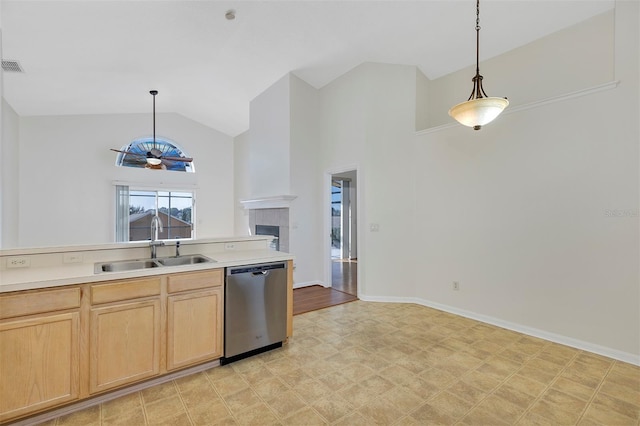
(255, 309)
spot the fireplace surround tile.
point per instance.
(272, 217)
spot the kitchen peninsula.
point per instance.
(73, 335)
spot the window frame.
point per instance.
(121, 210)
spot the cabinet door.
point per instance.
(194, 330)
(125, 344)
(39, 363)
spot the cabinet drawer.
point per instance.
(28, 303)
(195, 280)
(124, 290)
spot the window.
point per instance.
(136, 207)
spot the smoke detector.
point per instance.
(10, 65)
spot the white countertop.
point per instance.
(77, 273)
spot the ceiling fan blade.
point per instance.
(128, 153)
(183, 159)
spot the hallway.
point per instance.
(343, 290)
(344, 275)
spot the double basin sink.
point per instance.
(133, 265)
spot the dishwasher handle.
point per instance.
(258, 269)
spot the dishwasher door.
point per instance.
(255, 308)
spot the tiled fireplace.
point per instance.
(271, 215)
(263, 222)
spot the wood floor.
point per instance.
(344, 276)
(316, 297)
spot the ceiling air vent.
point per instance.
(9, 65)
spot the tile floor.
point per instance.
(391, 364)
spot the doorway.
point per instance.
(344, 232)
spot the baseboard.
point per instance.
(309, 284)
(530, 331)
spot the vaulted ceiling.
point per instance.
(99, 57)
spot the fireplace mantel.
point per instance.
(273, 202)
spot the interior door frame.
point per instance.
(326, 215)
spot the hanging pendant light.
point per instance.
(479, 109)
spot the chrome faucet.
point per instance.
(156, 224)
(178, 248)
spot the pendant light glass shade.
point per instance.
(479, 109)
(478, 112)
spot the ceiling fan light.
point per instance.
(478, 112)
(153, 161)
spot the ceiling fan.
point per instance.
(154, 158)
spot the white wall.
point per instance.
(519, 213)
(343, 133)
(269, 154)
(536, 215)
(424, 117)
(278, 156)
(241, 185)
(368, 120)
(388, 196)
(2, 107)
(9, 153)
(305, 219)
(66, 175)
(562, 62)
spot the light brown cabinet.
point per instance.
(124, 332)
(194, 328)
(125, 344)
(39, 350)
(194, 318)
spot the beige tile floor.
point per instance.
(391, 364)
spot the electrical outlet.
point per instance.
(18, 262)
(72, 258)
(229, 246)
(455, 286)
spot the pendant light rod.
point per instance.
(477, 37)
(154, 93)
(478, 91)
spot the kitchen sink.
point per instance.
(125, 265)
(133, 265)
(185, 260)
